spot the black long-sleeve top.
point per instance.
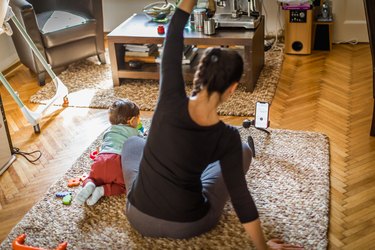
(178, 150)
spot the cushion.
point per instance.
(61, 27)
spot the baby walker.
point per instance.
(33, 117)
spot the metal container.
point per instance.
(199, 17)
(209, 26)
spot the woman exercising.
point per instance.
(180, 178)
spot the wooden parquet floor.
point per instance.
(329, 92)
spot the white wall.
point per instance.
(8, 54)
(117, 11)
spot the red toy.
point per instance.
(161, 30)
(93, 154)
(18, 244)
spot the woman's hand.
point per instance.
(279, 244)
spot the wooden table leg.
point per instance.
(247, 78)
(114, 66)
(254, 58)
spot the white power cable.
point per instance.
(352, 41)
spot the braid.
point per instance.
(198, 82)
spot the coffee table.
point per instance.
(139, 29)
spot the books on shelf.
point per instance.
(188, 56)
(140, 50)
(140, 47)
(151, 53)
(187, 49)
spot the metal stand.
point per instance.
(33, 117)
(250, 141)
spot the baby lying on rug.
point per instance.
(106, 178)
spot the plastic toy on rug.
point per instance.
(63, 194)
(66, 197)
(18, 244)
(77, 180)
(74, 182)
(93, 154)
(84, 177)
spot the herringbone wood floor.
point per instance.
(325, 92)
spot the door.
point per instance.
(349, 21)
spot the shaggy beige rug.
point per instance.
(289, 180)
(90, 85)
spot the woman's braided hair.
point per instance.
(122, 111)
(218, 68)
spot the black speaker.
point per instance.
(322, 39)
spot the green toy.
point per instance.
(67, 199)
(140, 127)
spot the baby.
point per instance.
(106, 178)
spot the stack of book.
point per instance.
(188, 55)
(141, 52)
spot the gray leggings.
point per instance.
(214, 190)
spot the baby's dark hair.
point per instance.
(218, 68)
(121, 111)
